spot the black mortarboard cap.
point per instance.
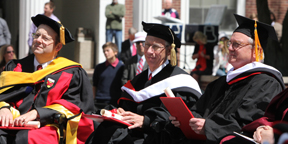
(63, 33)
(161, 31)
(247, 27)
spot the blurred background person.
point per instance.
(277, 26)
(107, 77)
(114, 13)
(221, 52)
(7, 53)
(169, 11)
(49, 7)
(137, 63)
(203, 52)
(254, 16)
(128, 47)
(5, 36)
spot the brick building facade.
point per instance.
(278, 7)
(129, 14)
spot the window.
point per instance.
(198, 10)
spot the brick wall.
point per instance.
(278, 7)
(128, 17)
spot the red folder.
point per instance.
(100, 118)
(178, 109)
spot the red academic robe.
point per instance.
(62, 87)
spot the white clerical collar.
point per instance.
(158, 69)
(234, 73)
(44, 65)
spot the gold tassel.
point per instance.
(62, 34)
(173, 55)
(258, 47)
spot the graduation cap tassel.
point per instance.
(173, 57)
(62, 34)
(258, 47)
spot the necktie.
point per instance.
(150, 76)
(134, 50)
(39, 67)
(140, 66)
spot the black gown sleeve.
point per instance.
(252, 105)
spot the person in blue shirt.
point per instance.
(107, 77)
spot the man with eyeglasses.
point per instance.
(140, 104)
(137, 63)
(49, 7)
(232, 101)
(46, 88)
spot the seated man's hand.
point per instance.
(132, 118)
(174, 121)
(264, 134)
(197, 125)
(25, 118)
(120, 110)
(6, 117)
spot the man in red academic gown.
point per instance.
(44, 87)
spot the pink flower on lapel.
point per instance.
(18, 68)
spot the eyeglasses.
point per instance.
(8, 52)
(138, 43)
(45, 38)
(237, 45)
(155, 48)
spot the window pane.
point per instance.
(228, 21)
(208, 3)
(199, 9)
(197, 15)
(195, 3)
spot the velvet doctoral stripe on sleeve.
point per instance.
(68, 84)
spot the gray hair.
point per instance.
(132, 31)
(167, 44)
(251, 41)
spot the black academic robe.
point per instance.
(227, 107)
(275, 112)
(68, 87)
(275, 116)
(156, 125)
(126, 54)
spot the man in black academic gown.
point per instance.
(140, 103)
(46, 88)
(232, 101)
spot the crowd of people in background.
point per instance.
(249, 97)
